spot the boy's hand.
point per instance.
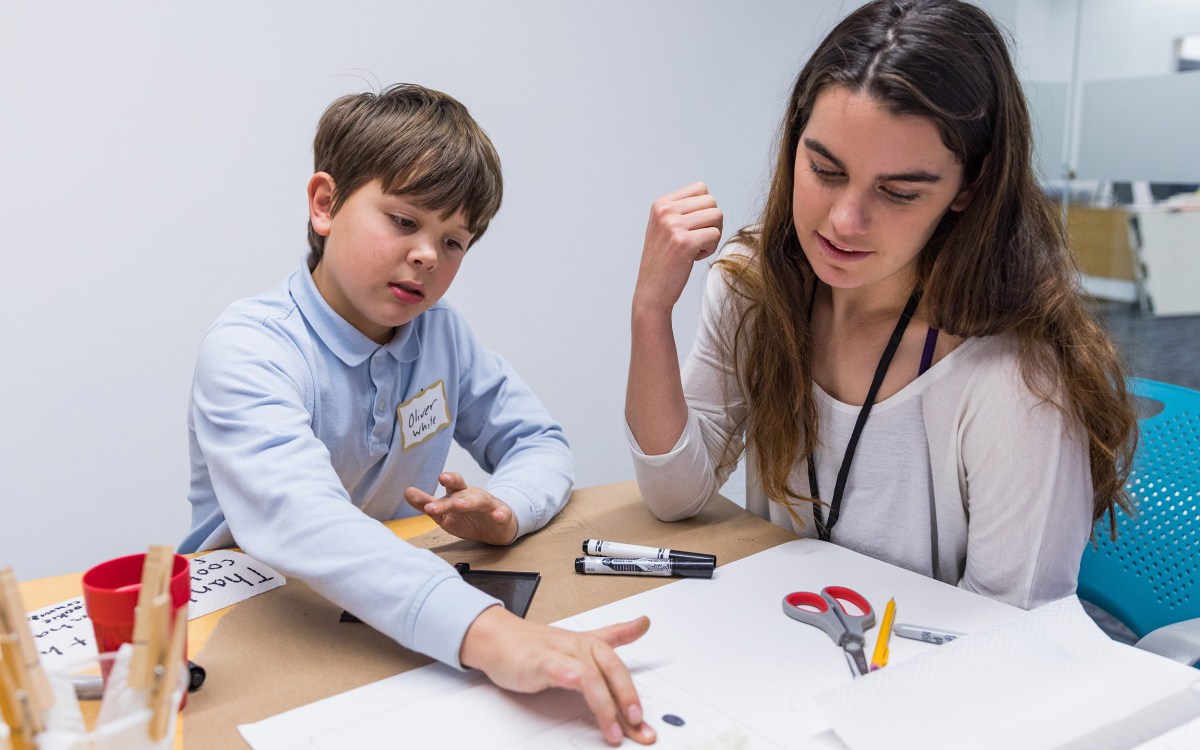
(685, 227)
(528, 657)
(466, 512)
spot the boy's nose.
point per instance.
(423, 255)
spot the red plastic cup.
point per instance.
(110, 594)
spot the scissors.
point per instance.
(831, 616)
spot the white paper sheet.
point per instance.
(719, 651)
(428, 711)
(63, 631)
(1040, 680)
(1184, 737)
(225, 577)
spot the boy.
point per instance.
(318, 405)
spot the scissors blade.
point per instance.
(856, 657)
(850, 662)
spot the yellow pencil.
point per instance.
(880, 657)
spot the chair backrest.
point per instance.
(1150, 576)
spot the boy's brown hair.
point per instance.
(416, 141)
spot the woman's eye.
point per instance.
(824, 174)
(897, 196)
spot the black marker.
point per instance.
(617, 549)
(92, 688)
(643, 567)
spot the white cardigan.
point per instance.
(1005, 474)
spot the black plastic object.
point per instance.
(196, 675)
(92, 688)
(515, 590)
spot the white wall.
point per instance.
(1131, 117)
(157, 156)
(1046, 30)
(1120, 39)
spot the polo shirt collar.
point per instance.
(344, 340)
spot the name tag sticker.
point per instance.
(423, 416)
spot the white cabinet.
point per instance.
(1168, 251)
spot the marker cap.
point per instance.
(692, 568)
(699, 557)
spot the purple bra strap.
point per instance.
(927, 355)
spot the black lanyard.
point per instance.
(835, 507)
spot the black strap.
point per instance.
(927, 354)
(839, 489)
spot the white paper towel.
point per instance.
(1036, 681)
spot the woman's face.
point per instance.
(870, 188)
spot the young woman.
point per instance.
(900, 347)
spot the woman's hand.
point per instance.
(685, 227)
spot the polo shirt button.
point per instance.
(380, 405)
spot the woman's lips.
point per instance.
(837, 253)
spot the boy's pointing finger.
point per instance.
(418, 499)
(452, 481)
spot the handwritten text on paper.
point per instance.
(218, 580)
(225, 577)
(63, 630)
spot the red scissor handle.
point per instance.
(842, 593)
(807, 599)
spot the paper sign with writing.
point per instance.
(219, 579)
(224, 577)
(423, 416)
(63, 631)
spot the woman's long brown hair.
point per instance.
(1000, 266)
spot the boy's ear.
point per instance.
(320, 202)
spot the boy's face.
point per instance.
(386, 259)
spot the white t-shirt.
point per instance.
(967, 444)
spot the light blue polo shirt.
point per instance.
(304, 434)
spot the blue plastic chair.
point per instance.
(1148, 578)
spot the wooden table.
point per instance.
(240, 689)
(43, 592)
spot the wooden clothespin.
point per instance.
(25, 694)
(150, 629)
(13, 709)
(171, 662)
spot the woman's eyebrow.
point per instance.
(919, 175)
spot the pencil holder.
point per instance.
(108, 714)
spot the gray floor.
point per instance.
(1166, 349)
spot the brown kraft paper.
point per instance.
(286, 648)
